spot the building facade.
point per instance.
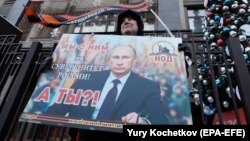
(185, 14)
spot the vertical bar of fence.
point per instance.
(48, 133)
(235, 107)
(11, 111)
(215, 90)
(242, 74)
(22, 131)
(63, 130)
(199, 86)
(35, 133)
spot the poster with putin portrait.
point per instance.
(103, 82)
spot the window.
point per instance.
(196, 18)
(77, 29)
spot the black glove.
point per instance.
(187, 54)
(186, 49)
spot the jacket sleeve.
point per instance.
(154, 110)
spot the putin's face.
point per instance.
(129, 26)
(122, 60)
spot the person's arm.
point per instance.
(152, 111)
(187, 54)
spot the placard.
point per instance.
(152, 87)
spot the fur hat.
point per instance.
(131, 14)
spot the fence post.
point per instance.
(11, 108)
(242, 74)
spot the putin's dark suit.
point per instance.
(138, 95)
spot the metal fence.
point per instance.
(21, 66)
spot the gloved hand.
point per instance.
(187, 54)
